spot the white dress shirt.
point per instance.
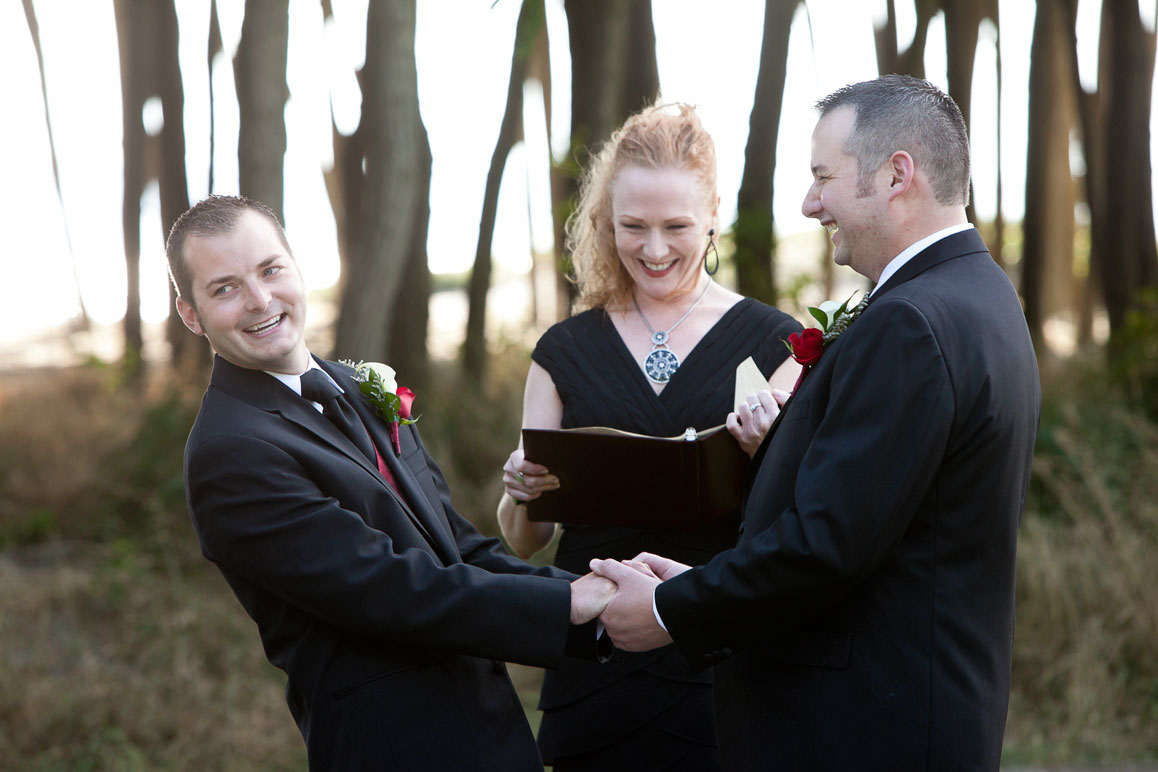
(294, 382)
(915, 249)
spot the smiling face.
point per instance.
(661, 219)
(855, 216)
(248, 297)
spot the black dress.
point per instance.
(647, 711)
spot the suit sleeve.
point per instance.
(261, 517)
(476, 549)
(488, 553)
(873, 457)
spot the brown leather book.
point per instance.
(616, 478)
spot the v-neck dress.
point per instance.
(644, 710)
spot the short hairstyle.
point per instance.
(899, 112)
(213, 216)
(657, 137)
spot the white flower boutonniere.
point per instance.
(391, 402)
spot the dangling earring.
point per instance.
(711, 248)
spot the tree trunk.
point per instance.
(599, 35)
(962, 23)
(1115, 123)
(213, 48)
(911, 61)
(34, 33)
(135, 40)
(640, 84)
(1047, 247)
(539, 68)
(1129, 261)
(172, 180)
(754, 231)
(531, 20)
(408, 353)
(383, 226)
(259, 72)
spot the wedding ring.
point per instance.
(519, 476)
(756, 407)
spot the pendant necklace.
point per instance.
(661, 364)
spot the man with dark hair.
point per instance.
(865, 618)
(389, 613)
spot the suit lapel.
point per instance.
(416, 503)
(264, 392)
(966, 242)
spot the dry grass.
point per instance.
(1086, 647)
(121, 648)
(114, 660)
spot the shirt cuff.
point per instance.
(655, 610)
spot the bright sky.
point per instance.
(709, 59)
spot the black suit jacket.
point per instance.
(869, 601)
(390, 615)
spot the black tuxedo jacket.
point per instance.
(390, 614)
(869, 601)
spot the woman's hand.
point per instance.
(754, 417)
(525, 480)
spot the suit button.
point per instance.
(498, 667)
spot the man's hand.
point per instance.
(661, 567)
(629, 618)
(589, 596)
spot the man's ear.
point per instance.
(902, 172)
(189, 316)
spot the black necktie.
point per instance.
(317, 387)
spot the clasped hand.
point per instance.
(620, 594)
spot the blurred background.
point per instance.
(424, 157)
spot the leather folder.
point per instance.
(616, 478)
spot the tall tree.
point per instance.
(910, 61)
(531, 21)
(378, 181)
(34, 33)
(753, 231)
(171, 177)
(539, 69)
(641, 80)
(1115, 122)
(213, 48)
(407, 346)
(147, 35)
(1048, 240)
(601, 37)
(963, 20)
(259, 70)
(136, 42)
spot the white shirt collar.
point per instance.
(915, 249)
(294, 382)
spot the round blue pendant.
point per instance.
(661, 365)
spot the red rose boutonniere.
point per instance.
(808, 345)
(391, 402)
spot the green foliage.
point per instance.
(1134, 357)
(37, 525)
